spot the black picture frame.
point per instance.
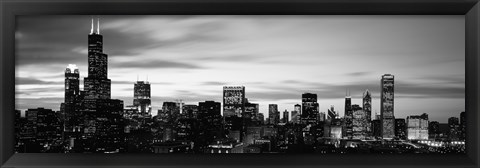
(11, 9)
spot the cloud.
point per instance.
(154, 64)
(357, 74)
(214, 83)
(33, 81)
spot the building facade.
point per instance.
(417, 127)
(233, 101)
(309, 108)
(141, 98)
(386, 106)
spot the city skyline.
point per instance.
(192, 48)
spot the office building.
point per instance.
(367, 108)
(417, 127)
(285, 116)
(141, 98)
(348, 128)
(400, 128)
(233, 101)
(273, 114)
(454, 129)
(359, 122)
(309, 108)
(386, 106)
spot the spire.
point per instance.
(91, 30)
(98, 25)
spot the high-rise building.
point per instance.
(332, 114)
(309, 108)
(359, 129)
(348, 117)
(72, 92)
(251, 110)
(72, 84)
(296, 114)
(141, 98)
(298, 108)
(103, 124)
(190, 111)
(386, 106)
(295, 117)
(417, 127)
(321, 117)
(285, 116)
(367, 108)
(434, 129)
(454, 128)
(463, 125)
(400, 128)
(209, 111)
(367, 104)
(376, 128)
(97, 85)
(210, 126)
(273, 114)
(233, 101)
(170, 112)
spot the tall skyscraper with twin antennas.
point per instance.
(141, 98)
(97, 85)
(102, 117)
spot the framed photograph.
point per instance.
(253, 83)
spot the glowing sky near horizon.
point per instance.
(277, 58)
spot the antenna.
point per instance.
(91, 30)
(98, 25)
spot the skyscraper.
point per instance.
(367, 108)
(348, 117)
(294, 117)
(285, 116)
(72, 91)
(298, 108)
(309, 108)
(454, 128)
(97, 85)
(102, 116)
(72, 83)
(296, 114)
(233, 101)
(359, 123)
(251, 110)
(141, 98)
(273, 114)
(332, 114)
(386, 106)
(210, 126)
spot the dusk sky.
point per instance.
(276, 58)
